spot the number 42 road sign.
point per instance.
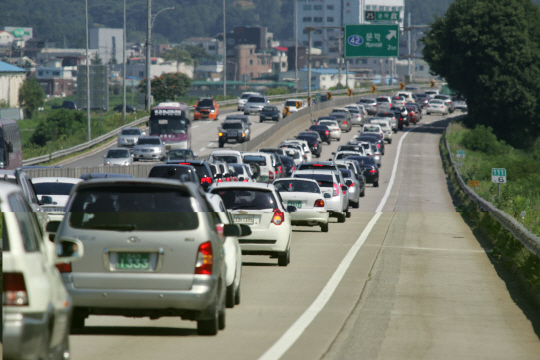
(498, 176)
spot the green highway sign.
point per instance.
(371, 40)
(498, 176)
(381, 15)
(460, 154)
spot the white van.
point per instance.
(408, 96)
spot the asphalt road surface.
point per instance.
(404, 278)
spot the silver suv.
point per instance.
(255, 104)
(129, 136)
(149, 148)
(153, 247)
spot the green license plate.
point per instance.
(296, 204)
(133, 261)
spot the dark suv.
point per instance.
(314, 141)
(233, 131)
(202, 168)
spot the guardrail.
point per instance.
(527, 238)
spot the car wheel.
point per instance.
(356, 205)
(245, 113)
(347, 214)
(341, 218)
(77, 321)
(261, 120)
(324, 227)
(376, 183)
(210, 327)
(230, 297)
(221, 144)
(284, 258)
(363, 193)
(389, 141)
(329, 141)
(237, 296)
(428, 113)
(222, 319)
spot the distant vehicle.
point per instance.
(117, 157)
(333, 126)
(71, 105)
(129, 108)
(270, 113)
(358, 114)
(314, 141)
(408, 96)
(292, 104)
(437, 106)
(206, 108)
(184, 173)
(203, 170)
(371, 170)
(369, 104)
(244, 98)
(129, 136)
(448, 101)
(149, 148)
(10, 145)
(229, 156)
(180, 154)
(172, 123)
(233, 132)
(324, 132)
(255, 104)
(90, 176)
(53, 193)
(422, 99)
(432, 93)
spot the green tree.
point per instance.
(96, 60)
(58, 125)
(168, 87)
(178, 55)
(489, 51)
(31, 96)
(198, 53)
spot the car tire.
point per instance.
(389, 141)
(363, 193)
(329, 142)
(77, 321)
(356, 205)
(261, 120)
(284, 258)
(376, 183)
(428, 113)
(324, 228)
(210, 327)
(230, 300)
(221, 144)
(222, 319)
(237, 296)
(341, 218)
(347, 214)
(245, 113)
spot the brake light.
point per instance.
(318, 165)
(378, 145)
(280, 169)
(373, 171)
(293, 168)
(344, 123)
(245, 180)
(351, 185)
(64, 267)
(219, 180)
(326, 132)
(205, 259)
(278, 217)
(14, 289)
(271, 175)
(228, 179)
(336, 190)
(315, 145)
(207, 180)
(319, 203)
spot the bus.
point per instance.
(171, 121)
(10, 145)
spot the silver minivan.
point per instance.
(153, 248)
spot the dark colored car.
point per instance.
(180, 154)
(90, 176)
(129, 108)
(371, 171)
(313, 141)
(71, 105)
(389, 115)
(184, 173)
(403, 112)
(422, 99)
(270, 113)
(245, 120)
(324, 132)
(202, 168)
(288, 165)
(374, 139)
(232, 131)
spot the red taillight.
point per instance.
(14, 289)
(207, 180)
(280, 169)
(64, 267)
(219, 180)
(344, 123)
(372, 171)
(351, 184)
(245, 180)
(326, 132)
(205, 259)
(278, 217)
(293, 168)
(318, 165)
(271, 175)
(378, 145)
(228, 179)
(319, 203)
(315, 145)
(336, 190)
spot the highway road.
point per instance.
(404, 278)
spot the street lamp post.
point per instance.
(224, 56)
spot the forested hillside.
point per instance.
(63, 20)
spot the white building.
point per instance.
(6, 38)
(11, 80)
(109, 43)
(137, 68)
(330, 13)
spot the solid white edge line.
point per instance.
(296, 330)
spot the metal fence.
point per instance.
(527, 238)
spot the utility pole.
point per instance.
(87, 77)
(309, 66)
(148, 58)
(347, 73)
(409, 45)
(296, 45)
(124, 69)
(339, 60)
(224, 55)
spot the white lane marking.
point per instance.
(196, 126)
(292, 334)
(202, 149)
(295, 331)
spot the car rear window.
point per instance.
(53, 188)
(353, 110)
(316, 167)
(346, 173)
(133, 208)
(367, 101)
(229, 159)
(317, 177)
(290, 103)
(242, 198)
(169, 172)
(131, 132)
(342, 156)
(239, 169)
(382, 100)
(259, 160)
(365, 160)
(297, 186)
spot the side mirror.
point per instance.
(344, 188)
(104, 156)
(46, 200)
(144, 133)
(68, 250)
(348, 182)
(333, 153)
(327, 196)
(291, 209)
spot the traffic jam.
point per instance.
(171, 244)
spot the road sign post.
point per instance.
(371, 40)
(498, 176)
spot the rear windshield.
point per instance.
(231, 125)
(318, 177)
(206, 103)
(365, 160)
(201, 170)
(229, 159)
(341, 156)
(367, 101)
(353, 110)
(382, 99)
(346, 173)
(270, 109)
(239, 169)
(252, 199)
(293, 154)
(117, 154)
(349, 147)
(149, 142)
(316, 167)
(53, 188)
(131, 132)
(133, 208)
(169, 172)
(271, 151)
(297, 186)
(259, 160)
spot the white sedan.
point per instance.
(306, 196)
(436, 106)
(259, 206)
(335, 130)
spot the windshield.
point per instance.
(327, 123)
(252, 199)
(131, 132)
(290, 103)
(246, 96)
(254, 99)
(129, 208)
(118, 154)
(346, 173)
(259, 160)
(238, 168)
(297, 186)
(206, 103)
(149, 142)
(231, 125)
(270, 109)
(53, 188)
(170, 125)
(169, 172)
(230, 159)
(382, 100)
(353, 110)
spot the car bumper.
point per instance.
(148, 156)
(357, 121)
(23, 335)
(435, 110)
(273, 239)
(334, 204)
(370, 179)
(305, 216)
(252, 110)
(335, 134)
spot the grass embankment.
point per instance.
(520, 193)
